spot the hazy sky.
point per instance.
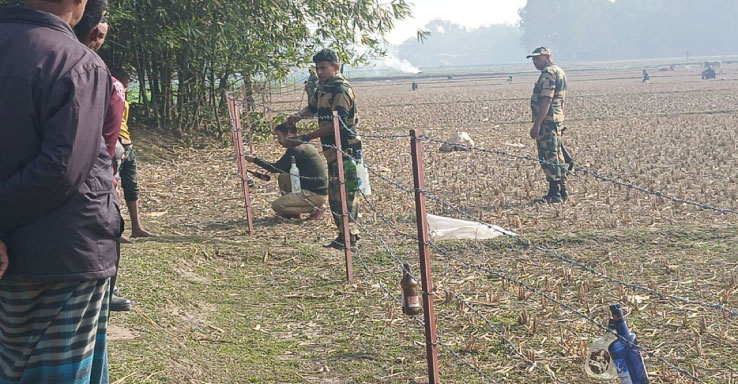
(469, 13)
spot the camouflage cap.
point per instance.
(539, 51)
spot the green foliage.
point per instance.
(184, 54)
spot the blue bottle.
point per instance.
(618, 352)
(626, 356)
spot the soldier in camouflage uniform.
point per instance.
(547, 106)
(334, 93)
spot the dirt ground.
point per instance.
(216, 305)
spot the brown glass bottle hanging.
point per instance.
(410, 287)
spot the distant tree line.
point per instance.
(450, 44)
(586, 30)
(626, 29)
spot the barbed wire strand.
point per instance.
(509, 342)
(581, 265)
(389, 250)
(535, 291)
(459, 359)
(590, 173)
(594, 174)
(492, 326)
(548, 251)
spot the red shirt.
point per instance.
(113, 120)
(114, 116)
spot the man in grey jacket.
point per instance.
(59, 215)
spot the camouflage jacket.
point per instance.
(551, 83)
(336, 94)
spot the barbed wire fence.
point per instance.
(495, 273)
(526, 287)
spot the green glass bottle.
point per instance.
(352, 177)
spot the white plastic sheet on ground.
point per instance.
(445, 228)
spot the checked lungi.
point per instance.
(53, 333)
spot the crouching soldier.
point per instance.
(313, 177)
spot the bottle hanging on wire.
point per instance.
(295, 177)
(410, 287)
(363, 174)
(626, 355)
(350, 175)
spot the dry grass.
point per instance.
(216, 305)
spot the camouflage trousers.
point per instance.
(334, 199)
(549, 150)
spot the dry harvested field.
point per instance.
(216, 305)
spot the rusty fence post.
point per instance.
(342, 193)
(250, 131)
(235, 111)
(249, 128)
(431, 341)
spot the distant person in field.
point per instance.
(128, 170)
(547, 107)
(414, 86)
(646, 77)
(314, 177)
(59, 216)
(509, 79)
(334, 94)
(93, 35)
(708, 74)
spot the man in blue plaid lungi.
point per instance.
(53, 332)
(59, 215)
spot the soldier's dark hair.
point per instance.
(94, 13)
(120, 74)
(286, 129)
(325, 54)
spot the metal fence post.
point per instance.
(250, 131)
(342, 193)
(431, 341)
(235, 111)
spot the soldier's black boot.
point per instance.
(338, 242)
(553, 196)
(563, 192)
(119, 304)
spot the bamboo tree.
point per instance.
(179, 50)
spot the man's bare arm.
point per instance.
(293, 119)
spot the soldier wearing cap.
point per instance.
(334, 93)
(547, 106)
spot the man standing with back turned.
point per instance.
(59, 215)
(547, 107)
